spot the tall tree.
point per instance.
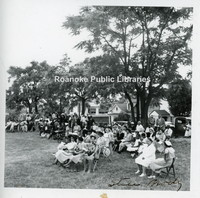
(81, 88)
(109, 66)
(149, 42)
(27, 86)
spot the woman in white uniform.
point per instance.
(146, 157)
(66, 152)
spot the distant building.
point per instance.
(167, 116)
(125, 107)
(102, 114)
(118, 108)
(97, 111)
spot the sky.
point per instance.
(32, 31)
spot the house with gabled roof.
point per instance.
(118, 108)
(166, 115)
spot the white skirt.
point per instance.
(62, 156)
(144, 161)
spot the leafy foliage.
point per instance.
(122, 117)
(27, 88)
(140, 41)
(179, 97)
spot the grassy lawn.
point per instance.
(29, 163)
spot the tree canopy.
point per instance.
(145, 42)
(149, 42)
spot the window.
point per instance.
(92, 111)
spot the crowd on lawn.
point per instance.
(83, 141)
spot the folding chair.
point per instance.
(170, 170)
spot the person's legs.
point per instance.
(90, 163)
(84, 165)
(67, 162)
(152, 175)
(139, 169)
(143, 171)
(111, 147)
(121, 146)
(12, 127)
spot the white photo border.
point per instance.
(195, 145)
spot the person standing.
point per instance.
(151, 121)
(160, 123)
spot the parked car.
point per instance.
(180, 126)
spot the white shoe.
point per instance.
(152, 177)
(142, 175)
(137, 172)
(132, 155)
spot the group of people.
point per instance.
(84, 141)
(24, 123)
(85, 145)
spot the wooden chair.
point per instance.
(170, 170)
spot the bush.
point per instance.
(122, 117)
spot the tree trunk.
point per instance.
(27, 103)
(30, 108)
(83, 100)
(145, 102)
(131, 105)
(60, 106)
(138, 107)
(36, 108)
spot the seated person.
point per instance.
(77, 154)
(109, 136)
(188, 130)
(145, 158)
(84, 132)
(166, 161)
(160, 138)
(139, 127)
(95, 126)
(67, 129)
(101, 143)
(10, 125)
(93, 138)
(87, 137)
(88, 157)
(41, 125)
(149, 130)
(77, 128)
(144, 142)
(168, 132)
(46, 129)
(126, 141)
(118, 138)
(24, 126)
(65, 152)
(133, 148)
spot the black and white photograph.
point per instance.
(98, 96)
